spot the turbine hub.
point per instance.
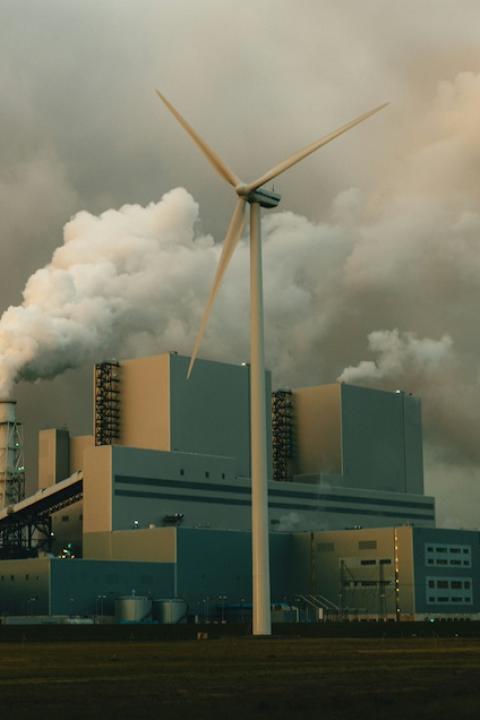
(242, 190)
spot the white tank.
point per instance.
(169, 611)
(132, 608)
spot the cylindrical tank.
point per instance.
(169, 611)
(132, 608)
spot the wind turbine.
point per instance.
(257, 197)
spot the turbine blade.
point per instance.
(301, 154)
(232, 237)
(210, 154)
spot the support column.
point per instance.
(262, 624)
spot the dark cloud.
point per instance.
(384, 229)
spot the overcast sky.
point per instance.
(372, 260)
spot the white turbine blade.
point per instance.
(232, 237)
(301, 154)
(210, 154)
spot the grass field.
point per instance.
(242, 678)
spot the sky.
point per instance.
(112, 220)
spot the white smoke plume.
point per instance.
(402, 257)
(399, 355)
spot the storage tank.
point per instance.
(132, 608)
(169, 611)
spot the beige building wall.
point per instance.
(97, 489)
(145, 403)
(317, 412)
(67, 528)
(53, 457)
(78, 445)
(147, 545)
(358, 570)
(405, 571)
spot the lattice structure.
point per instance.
(12, 466)
(107, 403)
(282, 433)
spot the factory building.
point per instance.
(164, 483)
(398, 573)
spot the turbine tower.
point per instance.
(257, 197)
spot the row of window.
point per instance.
(111, 579)
(4, 578)
(448, 555)
(451, 598)
(452, 590)
(367, 583)
(207, 473)
(444, 583)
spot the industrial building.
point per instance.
(156, 502)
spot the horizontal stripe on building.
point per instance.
(152, 482)
(280, 506)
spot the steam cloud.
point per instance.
(393, 272)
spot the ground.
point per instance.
(242, 677)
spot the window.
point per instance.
(442, 583)
(65, 518)
(182, 471)
(27, 577)
(385, 561)
(466, 584)
(431, 583)
(367, 545)
(456, 584)
(325, 546)
(223, 476)
(207, 474)
(368, 562)
(455, 550)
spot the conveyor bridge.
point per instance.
(26, 527)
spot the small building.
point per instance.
(398, 573)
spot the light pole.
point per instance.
(100, 598)
(222, 598)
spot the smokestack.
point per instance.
(12, 471)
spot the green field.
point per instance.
(242, 678)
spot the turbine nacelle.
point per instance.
(265, 198)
